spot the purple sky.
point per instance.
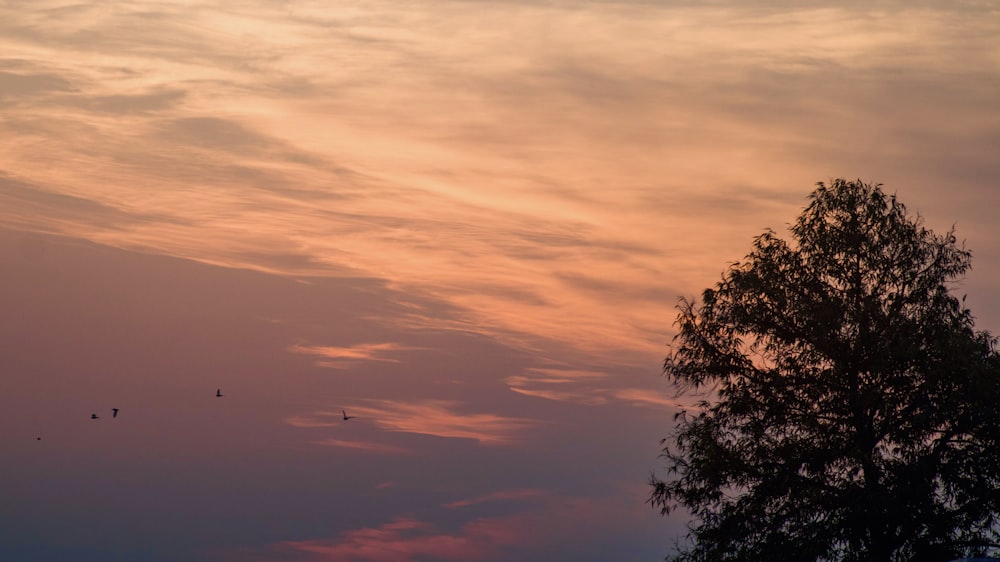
(465, 223)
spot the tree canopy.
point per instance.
(849, 410)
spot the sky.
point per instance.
(464, 223)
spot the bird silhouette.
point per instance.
(114, 412)
(93, 416)
(218, 393)
(347, 417)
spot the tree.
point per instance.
(848, 408)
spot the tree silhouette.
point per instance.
(849, 410)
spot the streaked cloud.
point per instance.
(517, 175)
(19, 200)
(553, 375)
(344, 357)
(586, 397)
(442, 418)
(590, 388)
(648, 398)
(561, 384)
(438, 418)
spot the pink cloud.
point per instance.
(407, 540)
(649, 398)
(586, 398)
(485, 539)
(439, 418)
(561, 385)
(552, 375)
(343, 357)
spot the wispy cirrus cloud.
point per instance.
(649, 398)
(19, 199)
(591, 388)
(344, 357)
(442, 418)
(438, 418)
(475, 168)
(562, 385)
(581, 396)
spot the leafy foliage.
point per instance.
(851, 411)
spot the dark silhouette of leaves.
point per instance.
(852, 411)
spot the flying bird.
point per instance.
(93, 416)
(114, 412)
(347, 417)
(218, 393)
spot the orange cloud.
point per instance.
(485, 185)
(649, 398)
(588, 398)
(343, 357)
(554, 375)
(562, 385)
(579, 386)
(484, 539)
(439, 418)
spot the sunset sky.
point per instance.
(466, 223)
